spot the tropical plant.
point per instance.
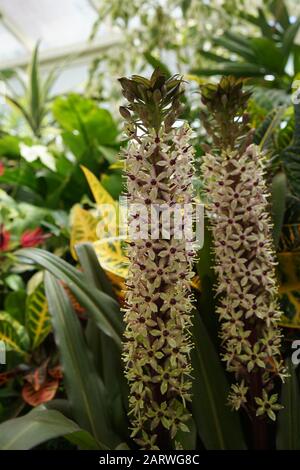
(266, 58)
(33, 105)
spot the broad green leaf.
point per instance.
(106, 355)
(113, 183)
(103, 309)
(38, 426)
(92, 268)
(13, 334)
(288, 429)
(38, 322)
(86, 392)
(15, 305)
(218, 427)
(85, 441)
(268, 55)
(14, 282)
(94, 125)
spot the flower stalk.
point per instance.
(233, 171)
(159, 170)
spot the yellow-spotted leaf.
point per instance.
(13, 334)
(111, 256)
(289, 272)
(118, 284)
(100, 194)
(289, 275)
(107, 207)
(83, 227)
(38, 321)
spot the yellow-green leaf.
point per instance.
(112, 257)
(83, 227)
(13, 334)
(100, 194)
(37, 316)
(107, 207)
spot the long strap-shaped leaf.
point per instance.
(218, 427)
(103, 309)
(288, 432)
(85, 389)
(39, 426)
(106, 355)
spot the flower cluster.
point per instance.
(28, 239)
(244, 259)
(159, 167)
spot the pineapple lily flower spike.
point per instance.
(237, 204)
(159, 170)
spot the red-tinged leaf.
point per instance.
(38, 376)
(44, 394)
(56, 372)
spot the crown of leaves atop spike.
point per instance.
(152, 102)
(225, 117)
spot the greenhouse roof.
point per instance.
(62, 27)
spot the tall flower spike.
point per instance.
(234, 181)
(159, 169)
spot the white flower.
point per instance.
(247, 286)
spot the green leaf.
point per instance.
(290, 157)
(113, 183)
(95, 126)
(92, 269)
(268, 55)
(15, 304)
(218, 427)
(288, 432)
(13, 334)
(236, 47)
(265, 131)
(157, 64)
(279, 192)
(238, 69)
(106, 355)
(281, 12)
(38, 426)
(85, 390)
(14, 282)
(103, 309)
(85, 441)
(289, 38)
(37, 316)
(34, 91)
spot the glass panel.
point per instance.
(57, 23)
(10, 47)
